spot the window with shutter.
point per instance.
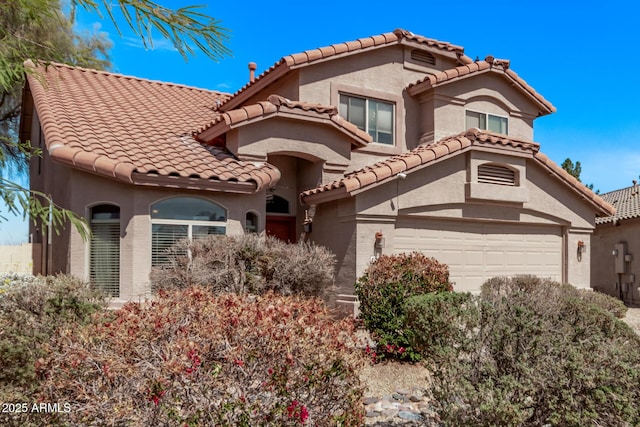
(183, 218)
(496, 174)
(104, 253)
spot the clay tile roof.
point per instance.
(626, 201)
(296, 60)
(424, 155)
(277, 105)
(490, 64)
(132, 129)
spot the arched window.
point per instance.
(183, 218)
(104, 253)
(251, 222)
(277, 204)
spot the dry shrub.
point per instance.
(541, 355)
(606, 302)
(31, 310)
(383, 290)
(247, 263)
(195, 358)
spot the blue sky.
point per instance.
(584, 57)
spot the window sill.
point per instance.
(377, 148)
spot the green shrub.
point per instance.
(383, 290)
(31, 310)
(247, 263)
(541, 355)
(194, 358)
(442, 323)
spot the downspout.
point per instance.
(49, 237)
(565, 255)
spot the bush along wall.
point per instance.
(194, 358)
(383, 290)
(530, 352)
(248, 263)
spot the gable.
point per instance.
(399, 168)
(340, 50)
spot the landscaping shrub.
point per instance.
(247, 263)
(442, 324)
(195, 358)
(541, 355)
(383, 290)
(31, 309)
(604, 301)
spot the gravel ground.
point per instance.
(633, 318)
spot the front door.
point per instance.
(282, 227)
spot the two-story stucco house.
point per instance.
(386, 144)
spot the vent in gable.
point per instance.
(423, 57)
(494, 174)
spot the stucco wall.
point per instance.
(134, 202)
(603, 272)
(439, 192)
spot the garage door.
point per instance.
(478, 251)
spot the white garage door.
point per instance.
(475, 252)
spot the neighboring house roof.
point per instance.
(489, 65)
(425, 155)
(136, 131)
(290, 62)
(627, 204)
(278, 106)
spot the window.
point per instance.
(183, 218)
(277, 204)
(104, 250)
(486, 121)
(371, 116)
(251, 222)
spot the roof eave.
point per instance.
(256, 86)
(325, 196)
(184, 183)
(585, 193)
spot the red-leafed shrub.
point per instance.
(195, 358)
(383, 290)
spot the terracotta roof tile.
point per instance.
(354, 46)
(277, 105)
(423, 155)
(125, 128)
(490, 64)
(626, 201)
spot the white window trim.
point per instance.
(486, 114)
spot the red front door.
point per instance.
(282, 227)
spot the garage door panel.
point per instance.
(476, 251)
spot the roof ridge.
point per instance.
(319, 53)
(30, 64)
